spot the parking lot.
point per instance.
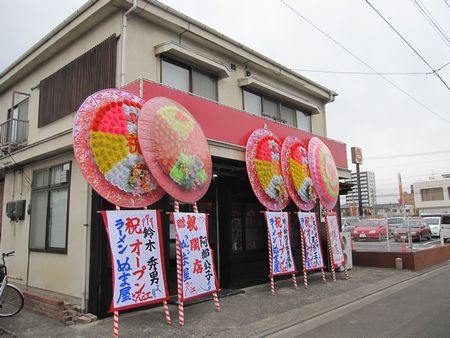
(393, 246)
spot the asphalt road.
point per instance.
(394, 246)
(419, 307)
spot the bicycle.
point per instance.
(11, 298)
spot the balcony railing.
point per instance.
(13, 135)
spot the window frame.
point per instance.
(430, 194)
(192, 69)
(280, 104)
(48, 188)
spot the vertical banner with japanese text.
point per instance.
(198, 271)
(278, 227)
(312, 247)
(139, 276)
(335, 239)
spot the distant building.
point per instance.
(368, 190)
(433, 196)
(392, 210)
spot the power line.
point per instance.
(359, 73)
(432, 21)
(364, 63)
(409, 45)
(408, 155)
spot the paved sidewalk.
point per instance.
(253, 313)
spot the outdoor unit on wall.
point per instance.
(10, 208)
(15, 210)
(19, 212)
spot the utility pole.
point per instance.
(358, 181)
(358, 159)
(402, 204)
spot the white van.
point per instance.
(434, 222)
(445, 227)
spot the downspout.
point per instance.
(123, 72)
(84, 251)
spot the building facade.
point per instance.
(51, 217)
(368, 189)
(432, 196)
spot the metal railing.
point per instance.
(13, 134)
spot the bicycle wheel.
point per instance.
(12, 301)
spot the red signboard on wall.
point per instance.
(229, 125)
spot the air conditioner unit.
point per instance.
(19, 212)
(10, 208)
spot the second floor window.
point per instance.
(189, 79)
(263, 105)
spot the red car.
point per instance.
(371, 228)
(419, 230)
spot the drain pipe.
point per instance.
(123, 72)
(85, 253)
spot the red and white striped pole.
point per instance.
(333, 273)
(179, 274)
(215, 297)
(116, 324)
(294, 280)
(116, 313)
(346, 272)
(305, 274)
(272, 282)
(323, 275)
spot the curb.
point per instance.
(326, 305)
(265, 327)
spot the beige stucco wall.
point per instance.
(61, 273)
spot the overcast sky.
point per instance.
(369, 112)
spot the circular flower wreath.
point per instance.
(268, 168)
(299, 168)
(115, 147)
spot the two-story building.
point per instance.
(433, 196)
(50, 214)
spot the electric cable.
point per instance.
(431, 20)
(360, 73)
(408, 155)
(409, 45)
(365, 63)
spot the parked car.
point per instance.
(445, 227)
(349, 224)
(419, 230)
(434, 222)
(393, 223)
(371, 228)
